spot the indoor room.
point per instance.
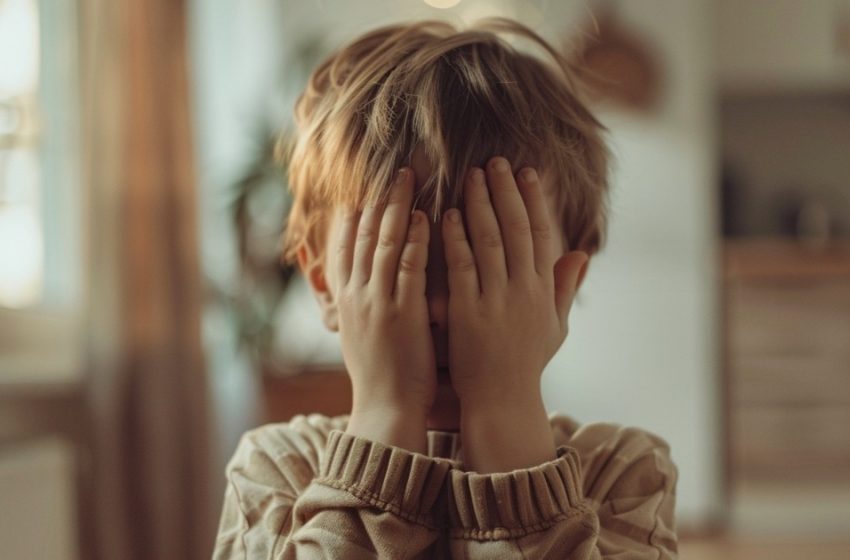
(158, 352)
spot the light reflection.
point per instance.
(21, 255)
(442, 4)
(472, 12)
(21, 236)
(18, 47)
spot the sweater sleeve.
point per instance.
(624, 507)
(362, 499)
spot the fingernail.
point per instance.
(416, 218)
(402, 175)
(529, 175)
(453, 215)
(501, 165)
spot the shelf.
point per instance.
(773, 258)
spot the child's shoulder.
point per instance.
(613, 455)
(299, 441)
(625, 440)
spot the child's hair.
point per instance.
(462, 97)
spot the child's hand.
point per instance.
(510, 294)
(383, 318)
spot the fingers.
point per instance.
(512, 216)
(460, 261)
(364, 245)
(538, 216)
(410, 286)
(345, 244)
(509, 235)
(368, 232)
(484, 233)
(392, 234)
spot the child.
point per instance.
(447, 316)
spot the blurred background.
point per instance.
(145, 320)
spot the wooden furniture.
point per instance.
(326, 390)
(787, 311)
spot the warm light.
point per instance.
(21, 236)
(21, 256)
(18, 47)
(442, 4)
(474, 11)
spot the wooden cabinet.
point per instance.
(788, 355)
(787, 342)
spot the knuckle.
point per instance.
(520, 226)
(531, 290)
(542, 231)
(463, 265)
(350, 218)
(490, 239)
(408, 265)
(387, 241)
(526, 292)
(346, 297)
(414, 237)
(382, 308)
(366, 233)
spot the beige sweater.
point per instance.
(307, 489)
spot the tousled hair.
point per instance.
(462, 96)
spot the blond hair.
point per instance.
(463, 97)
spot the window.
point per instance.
(21, 241)
(40, 196)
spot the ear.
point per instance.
(582, 274)
(313, 270)
(569, 272)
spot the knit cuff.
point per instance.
(390, 478)
(510, 505)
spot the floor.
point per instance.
(763, 549)
(779, 522)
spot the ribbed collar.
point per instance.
(445, 445)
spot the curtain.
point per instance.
(150, 487)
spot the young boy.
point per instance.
(448, 191)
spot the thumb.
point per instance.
(568, 270)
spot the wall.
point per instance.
(643, 346)
(37, 500)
